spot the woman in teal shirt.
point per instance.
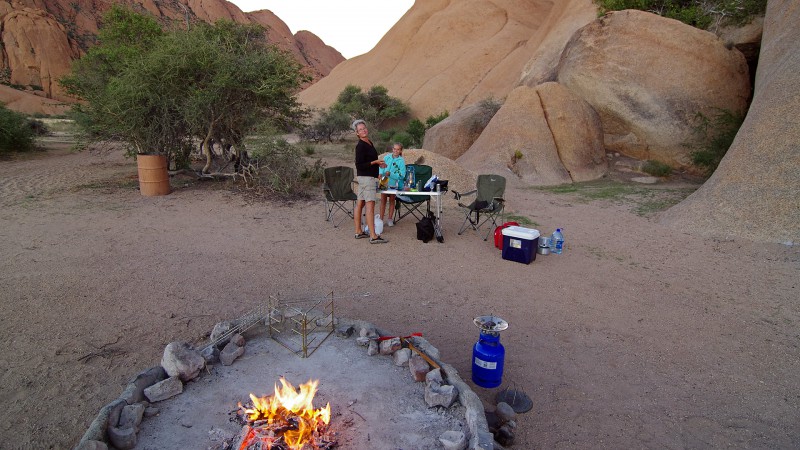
(396, 170)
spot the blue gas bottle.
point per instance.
(488, 354)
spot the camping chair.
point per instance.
(338, 189)
(488, 201)
(410, 204)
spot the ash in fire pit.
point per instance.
(373, 403)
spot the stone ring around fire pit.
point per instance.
(375, 401)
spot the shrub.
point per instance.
(698, 13)
(656, 168)
(16, 132)
(433, 120)
(717, 135)
(277, 167)
(488, 108)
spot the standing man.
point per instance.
(367, 165)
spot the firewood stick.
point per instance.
(420, 353)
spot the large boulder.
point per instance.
(755, 191)
(446, 55)
(651, 78)
(566, 17)
(453, 136)
(36, 50)
(543, 136)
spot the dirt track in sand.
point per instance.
(637, 336)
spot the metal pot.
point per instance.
(544, 245)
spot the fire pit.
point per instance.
(373, 402)
(285, 420)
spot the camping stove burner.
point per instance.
(490, 324)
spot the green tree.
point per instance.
(375, 106)
(16, 132)
(158, 91)
(416, 130)
(329, 123)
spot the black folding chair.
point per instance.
(488, 202)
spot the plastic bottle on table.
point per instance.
(557, 242)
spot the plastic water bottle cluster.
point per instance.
(557, 242)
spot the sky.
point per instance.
(353, 27)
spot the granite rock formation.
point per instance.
(541, 136)
(755, 191)
(446, 55)
(650, 78)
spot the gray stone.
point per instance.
(486, 441)
(453, 440)
(368, 332)
(122, 438)
(434, 377)
(401, 356)
(505, 412)
(645, 180)
(134, 392)
(372, 350)
(345, 331)
(131, 416)
(238, 339)
(418, 367)
(183, 361)
(91, 445)
(440, 395)
(163, 390)
(210, 354)
(220, 330)
(389, 346)
(97, 429)
(229, 354)
(151, 411)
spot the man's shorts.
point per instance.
(367, 186)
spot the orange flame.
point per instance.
(287, 403)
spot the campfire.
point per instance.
(286, 420)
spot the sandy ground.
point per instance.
(637, 336)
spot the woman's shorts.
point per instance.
(367, 186)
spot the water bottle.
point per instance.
(557, 242)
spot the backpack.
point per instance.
(425, 228)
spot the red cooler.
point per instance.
(498, 233)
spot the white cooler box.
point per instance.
(520, 244)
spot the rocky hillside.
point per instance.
(575, 86)
(40, 38)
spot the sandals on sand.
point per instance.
(362, 235)
(378, 240)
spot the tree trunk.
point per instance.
(206, 146)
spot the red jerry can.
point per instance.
(498, 233)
